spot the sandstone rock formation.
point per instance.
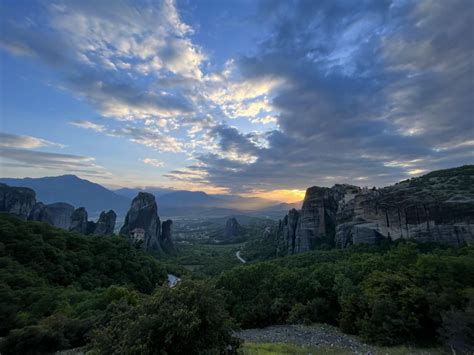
(40, 213)
(61, 214)
(407, 210)
(21, 202)
(166, 241)
(57, 214)
(317, 219)
(232, 228)
(289, 225)
(142, 224)
(79, 221)
(18, 201)
(106, 223)
(437, 207)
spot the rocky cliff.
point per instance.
(166, 240)
(289, 225)
(57, 214)
(79, 221)
(142, 224)
(106, 223)
(18, 201)
(437, 207)
(21, 201)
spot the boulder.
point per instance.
(142, 224)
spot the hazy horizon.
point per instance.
(255, 98)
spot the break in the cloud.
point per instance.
(362, 92)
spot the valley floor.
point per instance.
(314, 339)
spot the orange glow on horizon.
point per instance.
(288, 196)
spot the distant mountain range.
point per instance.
(132, 192)
(75, 191)
(96, 198)
(184, 198)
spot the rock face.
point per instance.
(437, 207)
(106, 223)
(142, 224)
(61, 214)
(18, 201)
(166, 240)
(401, 211)
(317, 220)
(289, 225)
(79, 221)
(56, 214)
(40, 213)
(232, 228)
(21, 202)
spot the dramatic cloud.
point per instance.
(368, 92)
(365, 92)
(104, 49)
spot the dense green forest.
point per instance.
(61, 290)
(400, 292)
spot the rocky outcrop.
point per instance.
(61, 214)
(437, 207)
(142, 224)
(18, 201)
(317, 219)
(21, 202)
(40, 213)
(232, 228)
(106, 223)
(289, 225)
(57, 214)
(79, 221)
(398, 212)
(166, 240)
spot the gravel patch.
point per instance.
(307, 336)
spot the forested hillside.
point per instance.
(392, 294)
(61, 290)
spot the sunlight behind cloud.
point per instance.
(288, 196)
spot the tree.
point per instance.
(186, 319)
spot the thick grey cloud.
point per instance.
(375, 91)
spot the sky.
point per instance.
(259, 98)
